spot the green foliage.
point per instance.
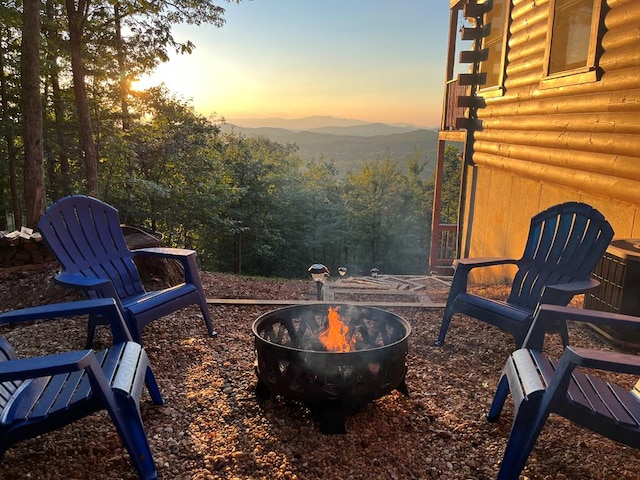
(250, 205)
(451, 186)
(388, 227)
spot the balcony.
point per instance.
(444, 245)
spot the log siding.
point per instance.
(549, 143)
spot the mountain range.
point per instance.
(308, 123)
(348, 143)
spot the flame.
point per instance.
(334, 338)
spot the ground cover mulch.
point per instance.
(214, 427)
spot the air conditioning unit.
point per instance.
(619, 274)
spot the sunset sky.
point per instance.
(369, 60)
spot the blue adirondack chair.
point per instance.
(85, 236)
(42, 394)
(564, 245)
(540, 385)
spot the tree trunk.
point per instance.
(76, 18)
(10, 139)
(59, 185)
(32, 111)
(124, 74)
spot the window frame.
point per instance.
(584, 74)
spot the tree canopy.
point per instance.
(71, 123)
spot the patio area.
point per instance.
(214, 427)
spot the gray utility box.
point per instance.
(619, 274)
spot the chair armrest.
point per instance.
(104, 307)
(93, 287)
(98, 306)
(604, 360)
(74, 280)
(186, 257)
(164, 252)
(558, 293)
(469, 263)
(23, 368)
(546, 316)
(462, 268)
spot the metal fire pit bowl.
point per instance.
(292, 362)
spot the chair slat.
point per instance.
(636, 390)
(593, 394)
(127, 366)
(628, 403)
(58, 393)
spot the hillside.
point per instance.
(349, 146)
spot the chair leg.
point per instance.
(152, 386)
(192, 276)
(128, 422)
(444, 326)
(526, 428)
(91, 330)
(498, 399)
(207, 318)
(564, 334)
(519, 338)
(458, 286)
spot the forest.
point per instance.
(72, 123)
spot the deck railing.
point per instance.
(444, 248)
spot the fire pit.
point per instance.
(334, 359)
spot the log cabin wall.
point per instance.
(544, 144)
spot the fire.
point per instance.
(334, 338)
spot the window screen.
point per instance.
(571, 35)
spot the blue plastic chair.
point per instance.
(42, 394)
(539, 385)
(564, 245)
(85, 236)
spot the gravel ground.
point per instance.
(213, 427)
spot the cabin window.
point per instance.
(495, 44)
(573, 37)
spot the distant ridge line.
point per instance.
(311, 122)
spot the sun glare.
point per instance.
(145, 82)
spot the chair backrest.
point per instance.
(84, 234)
(7, 389)
(565, 243)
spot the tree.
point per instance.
(370, 197)
(451, 186)
(148, 38)
(326, 238)
(163, 172)
(56, 127)
(32, 113)
(262, 175)
(77, 19)
(10, 105)
(409, 241)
